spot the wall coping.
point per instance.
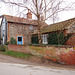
(57, 46)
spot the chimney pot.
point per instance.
(42, 17)
(29, 14)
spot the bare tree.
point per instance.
(49, 8)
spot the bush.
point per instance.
(2, 48)
(57, 38)
(13, 41)
(34, 40)
(6, 43)
(1, 39)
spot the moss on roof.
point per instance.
(58, 26)
(23, 20)
(19, 20)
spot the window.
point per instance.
(19, 38)
(31, 28)
(44, 39)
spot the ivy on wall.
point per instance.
(53, 38)
(34, 39)
(57, 38)
(13, 41)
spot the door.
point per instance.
(20, 40)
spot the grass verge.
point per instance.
(17, 54)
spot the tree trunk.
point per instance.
(39, 30)
(39, 35)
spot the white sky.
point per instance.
(67, 14)
(6, 9)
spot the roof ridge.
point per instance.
(71, 24)
(13, 16)
(16, 19)
(19, 17)
(62, 21)
(58, 26)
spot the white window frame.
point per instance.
(44, 39)
(31, 27)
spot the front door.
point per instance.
(20, 40)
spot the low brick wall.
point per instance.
(71, 41)
(62, 54)
(19, 48)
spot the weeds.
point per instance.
(17, 54)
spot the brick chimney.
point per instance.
(29, 14)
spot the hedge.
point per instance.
(34, 40)
(53, 39)
(57, 38)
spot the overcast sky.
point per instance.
(7, 9)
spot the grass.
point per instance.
(36, 48)
(17, 54)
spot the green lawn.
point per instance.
(17, 54)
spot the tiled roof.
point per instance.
(22, 20)
(58, 26)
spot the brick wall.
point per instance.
(67, 57)
(62, 54)
(65, 32)
(71, 41)
(19, 48)
(15, 30)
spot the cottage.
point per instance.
(20, 29)
(67, 27)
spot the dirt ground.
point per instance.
(34, 61)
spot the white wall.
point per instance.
(3, 30)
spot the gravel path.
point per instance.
(9, 59)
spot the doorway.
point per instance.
(20, 40)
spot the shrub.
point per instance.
(34, 40)
(1, 39)
(57, 38)
(2, 48)
(13, 41)
(6, 43)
